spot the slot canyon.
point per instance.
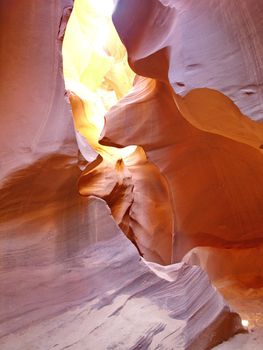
(131, 211)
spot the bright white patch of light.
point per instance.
(245, 323)
(102, 38)
(104, 7)
(94, 74)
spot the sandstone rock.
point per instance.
(69, 276)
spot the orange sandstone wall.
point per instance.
(208, 151)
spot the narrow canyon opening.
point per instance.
(97, 75)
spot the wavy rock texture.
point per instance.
(31, 84)
(211, 44)
(69, 277)
(84, 286)
(216, 198)
(209, 153)
(206, 197)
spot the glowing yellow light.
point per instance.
(245, 323)
(96, 71)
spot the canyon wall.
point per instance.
(190, 191)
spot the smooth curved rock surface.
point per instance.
(214, 45)
(32, 88)
(69, 277)
(209, 153)
(216, 198)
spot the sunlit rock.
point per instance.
(176, 169)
